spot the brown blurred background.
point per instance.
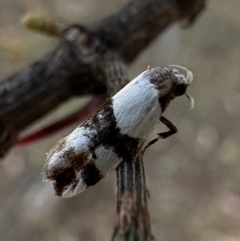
(193, 177)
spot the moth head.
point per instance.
(181, 87)
(171, 83)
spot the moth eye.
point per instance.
(180, 89)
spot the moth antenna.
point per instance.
(191, 100)
(148, 67)
(189, 73)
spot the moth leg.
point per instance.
(163, 135)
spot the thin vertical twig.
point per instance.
(132, 217)
(132, 220)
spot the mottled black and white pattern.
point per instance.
(116, 132)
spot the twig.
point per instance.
(132, 220)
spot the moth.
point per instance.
(116, 132)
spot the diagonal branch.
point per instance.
(73, 68)
(137, 24)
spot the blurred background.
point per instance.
(193, 177)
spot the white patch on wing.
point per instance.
(80, 137)
(77, 141)
(136, 107)
(106, 160)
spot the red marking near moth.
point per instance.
(78, 116)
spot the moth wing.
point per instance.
(89, 153)
(72, 165)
